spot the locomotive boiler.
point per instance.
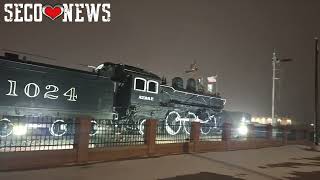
(119, 93)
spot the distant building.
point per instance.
(268, 120)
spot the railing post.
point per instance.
(81, 139)
(195, 135)
(150, 135)
(284, 135)
(269, 131)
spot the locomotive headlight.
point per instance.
(243, 130)
(19, 130)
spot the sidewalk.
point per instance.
(288, 162)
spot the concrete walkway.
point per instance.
(288, 162)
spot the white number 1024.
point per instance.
(32, 90)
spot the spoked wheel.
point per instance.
(6, 128)
(187, 124)
(58, 128)
(173, 123)
(206, 125)
(142, 123)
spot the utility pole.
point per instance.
(316, 94)
(275, 61)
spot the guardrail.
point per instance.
(40, 142)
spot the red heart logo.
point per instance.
(52, 12)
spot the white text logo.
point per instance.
(71, 12)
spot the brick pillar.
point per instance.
(269, 130)
(150, 135)
(284, 135)
(195, 136)
(81, 139)
(226, 132)
(226, 135)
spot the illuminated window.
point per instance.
(153, 86)
(140, 84)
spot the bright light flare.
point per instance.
(243, 130)
(20, 130)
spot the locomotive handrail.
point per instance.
(224, 100)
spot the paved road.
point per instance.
(288, 162)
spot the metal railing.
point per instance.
(210, 133)
(28, 133)
(277, 133)
(105, 133)
(260, 132)
(257, 132)
(172, 133)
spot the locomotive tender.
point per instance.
(117, 92)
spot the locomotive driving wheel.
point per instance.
(142, 123)
(205, 126)
(58, 128)
(187, 124)
(6, 128)
(173, 123)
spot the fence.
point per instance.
(104, 133)
(175, 133)
(37, 142)
(210, 132)
(36, 133)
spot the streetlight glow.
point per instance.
(19, 130)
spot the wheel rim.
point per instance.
(171, 123)
(58, 128)
(94, 128)
(5, 126)
(206, 129)
(141, 126)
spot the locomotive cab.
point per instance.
(144, 90)
(135, 88)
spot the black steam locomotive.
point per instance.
(117, 92)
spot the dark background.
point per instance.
(233, 39)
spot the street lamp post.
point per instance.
(275, 61)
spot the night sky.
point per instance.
(233, 39)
